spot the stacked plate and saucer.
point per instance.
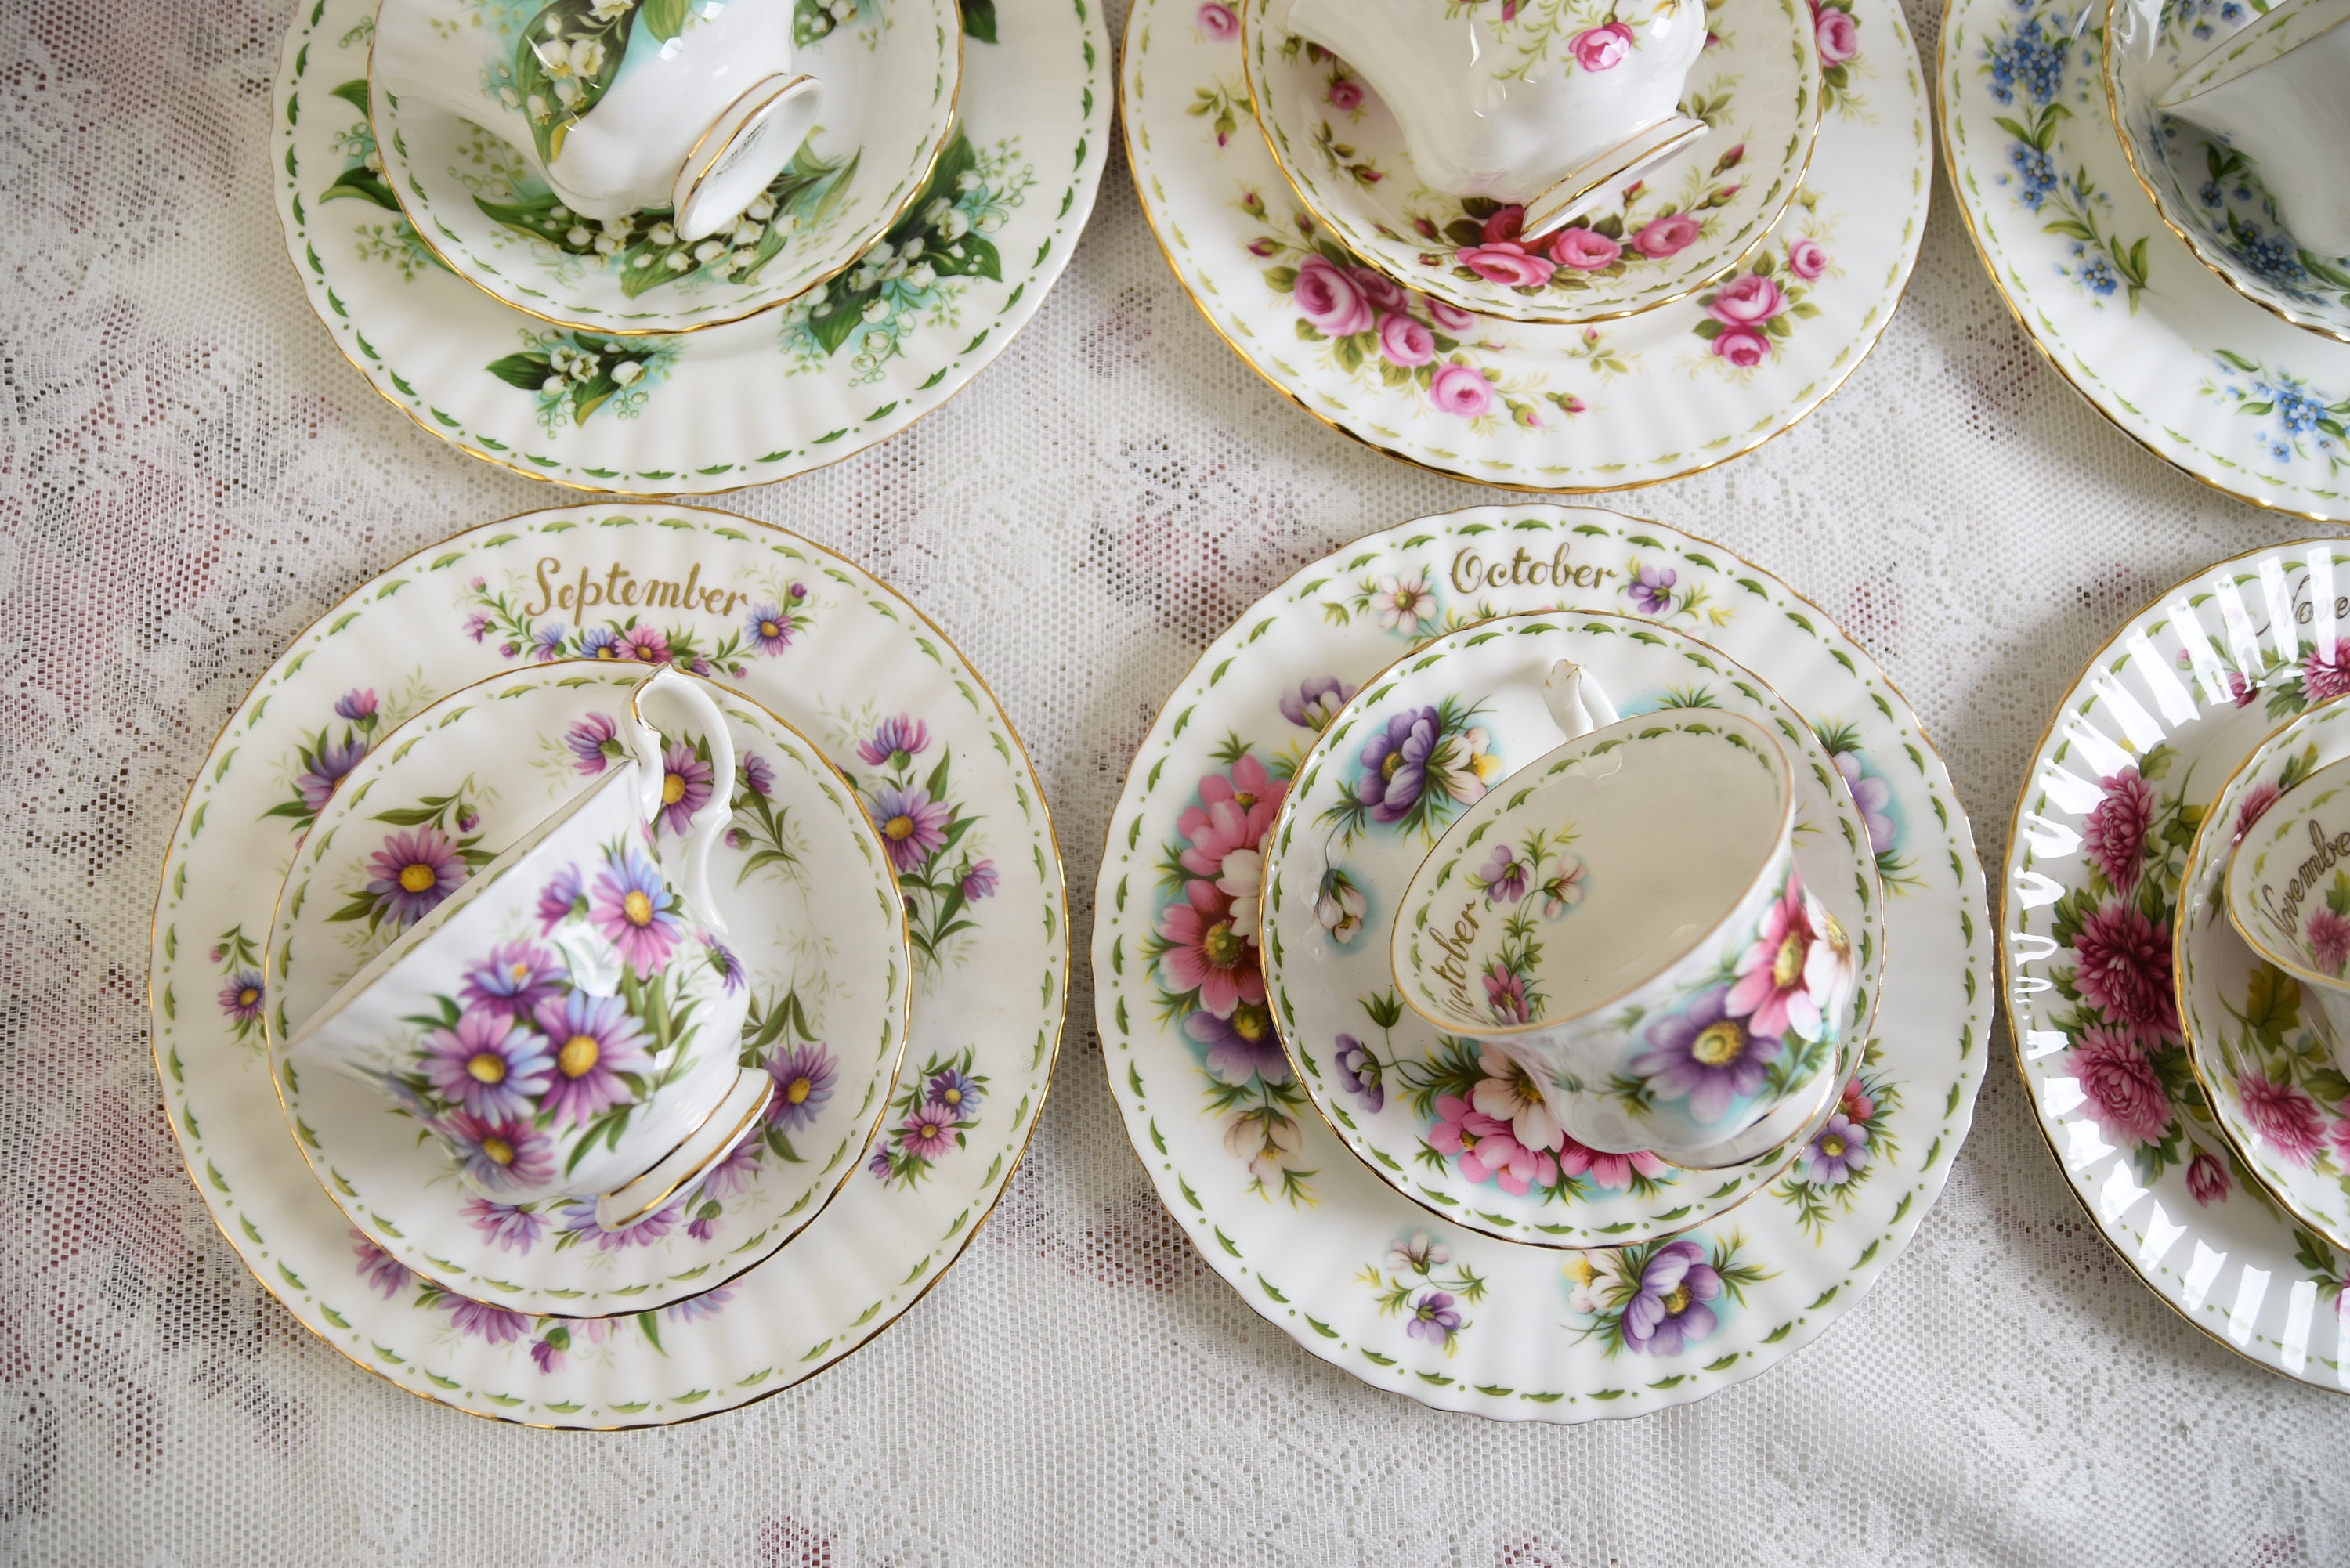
(2143, 183)
(1378, 1008)
(609, 966)
(654, 247)
(1564, 246)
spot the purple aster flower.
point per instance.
(1395, 765)
(358, 706)
(514, 979)
(879, 1164)
(594, 742)
(504, 1225)
(501, 1156)
(1670, 1309)
(1433, 1318)
(685, 787)
(979, 881)
(694, 1309)
(1242, 1046)
(912, 824)
(1706, 1055)
(635, 908)
(241, 997)
(772, 627)
(601, 642)
(1840, 1150)
(478, 624)
(758, 775)
(734, 1175)
(1360, 1072)
(705, 1224)
(489, 1063)
(897, 742)
(484, 1320)
(563, 897)
(547, 642)
(595, 1042)
(1504, 876)
(329, 765)
(379, 1268)
(580, 1219)
(549, 1352)
(722, 959)
(412, 873)
(927, 1133)
(804, 1076)
(644, 645)
(1314, 703)
(1652, 589)
(954, 1090)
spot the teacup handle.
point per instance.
(646, 743)
(1578, 702)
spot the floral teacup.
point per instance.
(1695, 987)
(2278, 92)
(2288, 890)
(619, 105)
(563, 1021)
(1553, 108)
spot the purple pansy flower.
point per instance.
(1242, 1046)
(487, 1320)
(595, 1042)
(504, 1225)
(1652, 589)
(1504, 876)
(514, 979)
(501, 1154)
(594, 742)
(241, 997)
(1432, 1318)
(929, 1134)
(1315, 702)
(1395, 765)
(489, 1063)
(379, 1268)
(1360, 1072)
(758, 775)
(1706, 1055)
(327, 768)
(896, 742)
(561, 898)
(412, 873)
(980, 881)
(953, 1090)
(804, 1076)
(1839, 1152)
(912, 824)
(635, 908)
(1670, 1309)
(685, 786)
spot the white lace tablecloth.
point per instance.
(189, 472)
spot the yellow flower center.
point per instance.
(1677, 1302)
(1242, 799)
(1832, 1146)
(487, 1067)
(418, 876)
(672, 788)
(1222, 945)
(1718, 1045)
(521, 971)
(1788, 966)
(1388, 764)
(770, 628)
(579, 1054)
(250, 996)
(1251, 1024)
(637, 908)
(610, 650)
(498, 1149)
(899, 828)
(952, 1097)
(798, 1090)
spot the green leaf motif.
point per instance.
(564, 63)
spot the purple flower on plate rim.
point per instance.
(929, 1134)
(412, 873)
(758, 774)
(486, 1320)
(1395, 763)
(803, 1075)
(241, 997)
(547, 642)
(953, 1090)
(1433, 1318)
(1839, 1152)
(1359, 1071)
(980, 881)
(1242, 1046)
(379, 1268)
(329, 765)
(1671, 1309)
(1504, 876)
(1315, 702)
(772, 628)
(594, 741)
(912, 826)
(357, 705)
(1652, 589)
(502, 1225)
(895, 742)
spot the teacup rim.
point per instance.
(2239, 871)
(2170, 98)
(1680, 720)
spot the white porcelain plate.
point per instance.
(1419, 1105)
(2132, 758)
(1665, 393)
(1353, 1270)
(745, 403)
(815, 923)
(847, 663)
(1338, 145)
(2238, 398)
(889, 71)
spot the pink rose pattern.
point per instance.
(1749, 316)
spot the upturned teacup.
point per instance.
(1625, 917)
(2278, 90)
(566, 1020)
(1552, 107)
(618, 105)
(2288, 890)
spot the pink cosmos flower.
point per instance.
(1451, 317)
(1585, 251)
(1487, 1150)
(1602, 48)
(1839, 37)
(1234, 814)
(1611, 1171)
(2121, 962)
(1507, 263)
(2115, 834)
(1218, 22)
(1329, 299)
(1775, 975)
(2284, 1116)
(1406, 342)
(1458, 390)
(1806, 259)
(2207, 1179)
(1206, 954)
(1668, 235)
(1747, 300)
(2329, 939)
(1345, 95)
(2127, 1099)
(1742, 346)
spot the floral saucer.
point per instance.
(816, 933)
(2240, 400)
(890, 69)
(1341, 150)
(1463, 1130)
(1350, 1268)
(848, 363)
(2204, 191)
(846, 661)
(1668, 392)
(2258, 1045)
(2135, 755)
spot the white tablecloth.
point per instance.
(189, 472)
